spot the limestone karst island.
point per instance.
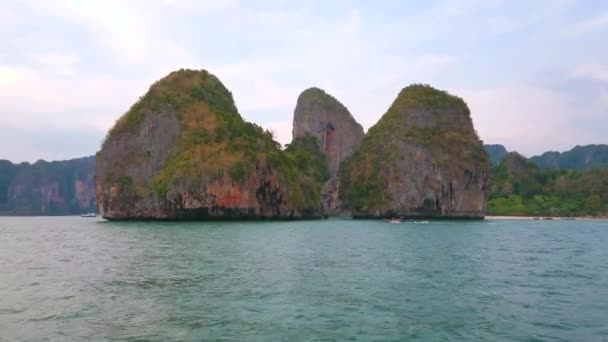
(180, 170)
(183, 152)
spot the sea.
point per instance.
(83, 279)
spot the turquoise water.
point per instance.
(76, 279)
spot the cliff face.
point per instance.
(579, 158)
(422, 159)
(321, 116)
(47, 188)
(184, 152)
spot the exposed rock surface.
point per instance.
(320, 115)
(422, 159)
(47, 188)
(183, 152)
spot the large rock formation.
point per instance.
(422, 159)
(320, 115)
(47, 188)
(184, 152)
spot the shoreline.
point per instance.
(545, 218)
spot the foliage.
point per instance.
(421, 117)
(579, 158)
(519, 187)
(320, 99)
(308, 157)
(216, 144)
(238, 171)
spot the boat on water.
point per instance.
(393, 220)
(88, 215)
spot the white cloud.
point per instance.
(29, 98)
(57, 63)
(596, 72)
(586, 26)
(267, 53)
(604, 99)
(531, 120)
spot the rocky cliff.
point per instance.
(579, 158)
(422, 159)
(321, 116)
(47, 188)
(184, 152)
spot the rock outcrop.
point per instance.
(47, 188)
(422, 159)
(183, 152)
(320, 115)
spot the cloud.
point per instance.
(597, 72)
(95, 58)
(29, 98)
(56, 63)
(532, 120)
(49, 144)
(604, 99)
(586, 26)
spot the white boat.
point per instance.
(393, 220)
(89, 215)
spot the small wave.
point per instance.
(11, 311)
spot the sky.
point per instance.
(534, 73)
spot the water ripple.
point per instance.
(70, 279)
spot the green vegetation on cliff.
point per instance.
(317, 97)
(421, 118)
(579, 158)
(214, 142)
(304, 152)
(519, 187)
(418, 117)
(307, 155)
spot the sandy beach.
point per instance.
(544, 218)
